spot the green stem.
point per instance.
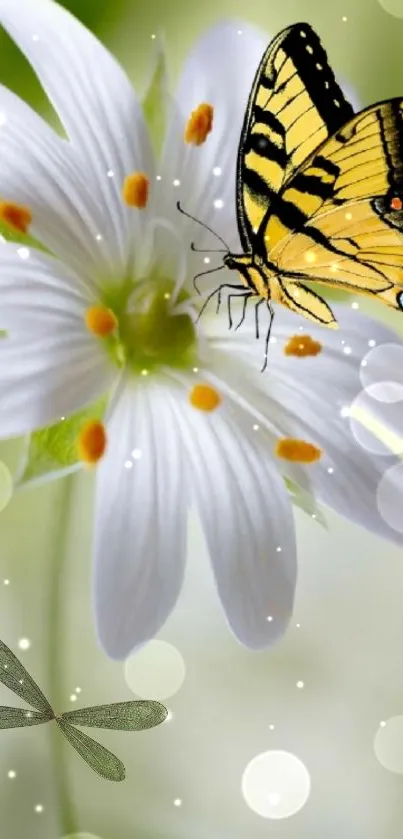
(56, 634)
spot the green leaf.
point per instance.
(14, 676)
(54, 448)
(21, 717)
(125, 716)
(103, 762)
(155, 100)
(11, 235)
(306, 501)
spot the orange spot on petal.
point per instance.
(199, 124)
(135, 190)
(396, 203)
(204, 398)
(92, 441)
(15, 215)
(302, 345)
(100, 321)
(297, 451)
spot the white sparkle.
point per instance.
(11, 774)
(271, 727)
(364, 362)
(330, 470)
(347, 350)
(78, 690)
(269, 618)
(355, 305)
(344, 19)
(136, 454)
(21, 681)
(217, 171)
(144, 372)
(99, 237)
(38, 808)
(177, 802)
(73, 698)
(256, 427)
(110, 173)
(207, 260)
(6, 582)
(158, 178)
(35, 37)
(382, 723)
(62, 418)
(372, 343)
(345, 411)
(310, 257)
(314, 515)
(273, 340)
(300, 685)
(24, 643)
(298, 625)
(128, 464)
(153, 36)
(349, 216)
(167, 295)
(176, 182)
(218, 203)
(29, 715)
(195, 369)
(23, 253)
(279, 549)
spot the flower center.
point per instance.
(141, 329)
(297, 451)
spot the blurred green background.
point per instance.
(346, 648)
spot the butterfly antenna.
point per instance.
(203, 274)
(201, 223)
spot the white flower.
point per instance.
(163, 453)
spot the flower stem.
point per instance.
(67, 815)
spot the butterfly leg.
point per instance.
(246, 296)
(218, 291)
(259, 303)
(266, 350)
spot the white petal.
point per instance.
(40, 170)
(49, 363)
(219, 71)
(140, 531)
(94, 100)
(305, 398)
(248, 524)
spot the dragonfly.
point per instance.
(122, 716)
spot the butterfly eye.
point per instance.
(396, 203)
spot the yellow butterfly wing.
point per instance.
(339, 219)
(294, 105)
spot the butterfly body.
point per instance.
(319, 189)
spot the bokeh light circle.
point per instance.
(388, 744)
(377, 425)
(276, 784)
(383, 363)
(157, 671)
(389, 497)
(392, 7)
(6, 486)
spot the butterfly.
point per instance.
(319, 189)
(123, 716)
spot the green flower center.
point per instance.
(149, 333)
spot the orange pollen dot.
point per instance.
(92, 442)
(302, 345)
(135, 190)
(297, 451)
(199, 124)
(16, 216)
(396, 203)
(100, 321)
(204, 398)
